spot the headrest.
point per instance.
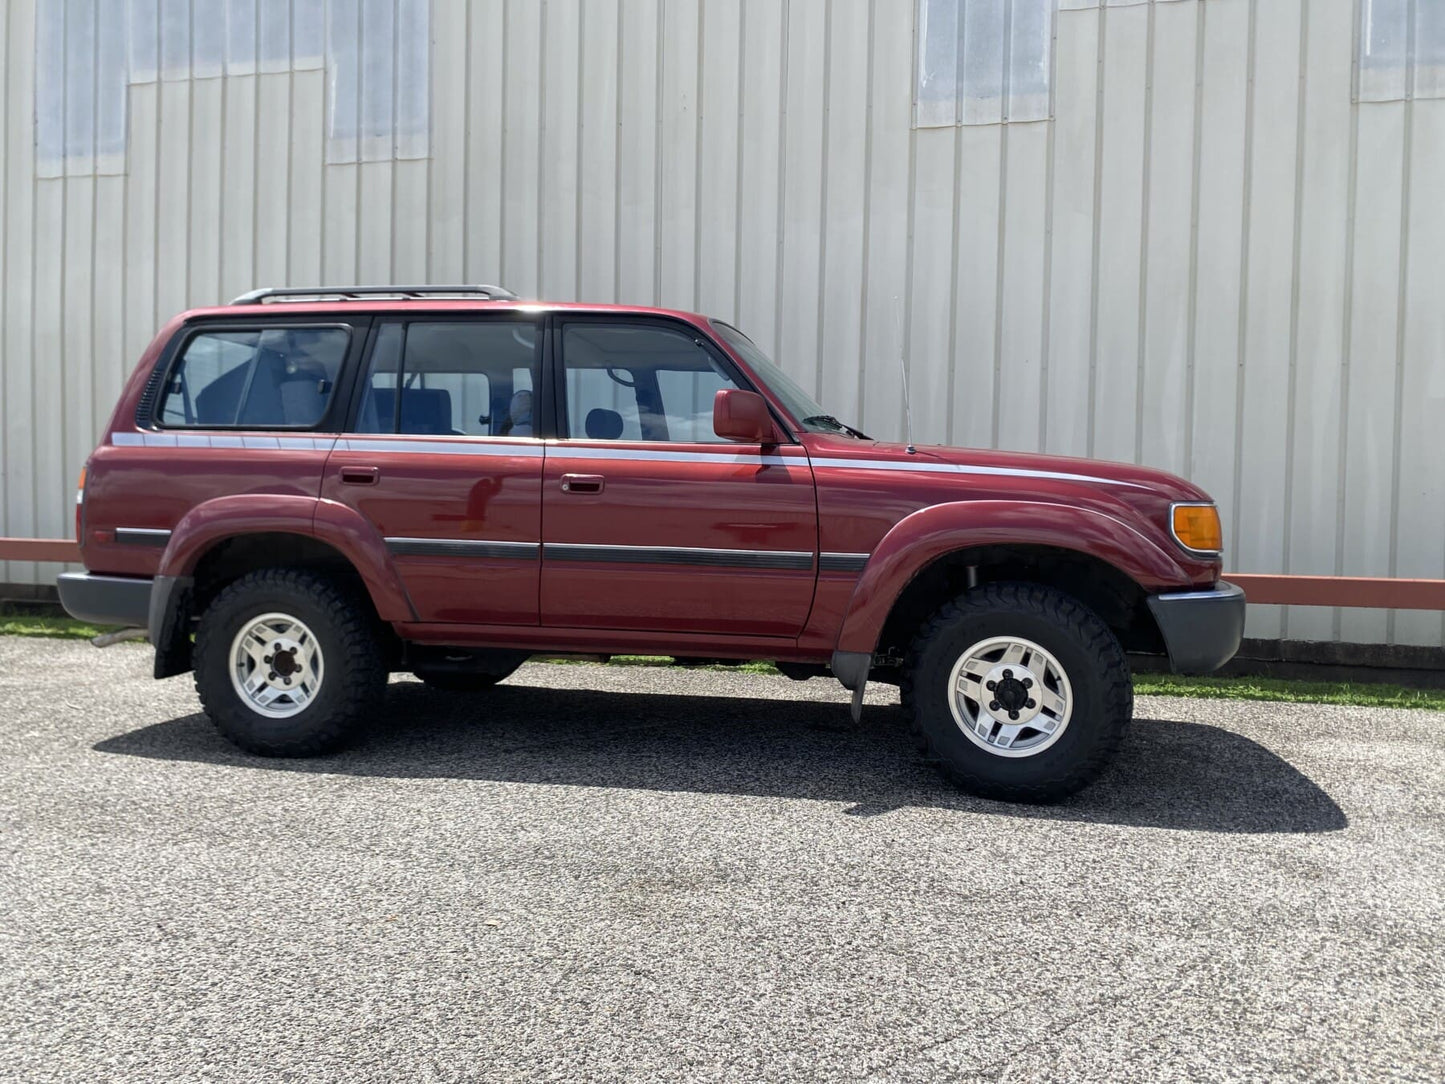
(604, 424)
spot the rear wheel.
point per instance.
(1018, 692)
(287, 663)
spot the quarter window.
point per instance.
(460, 378)
(267, 378)
(633, 382)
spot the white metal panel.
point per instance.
(1191, 265)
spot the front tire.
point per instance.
(1018, 692)
(287, 663)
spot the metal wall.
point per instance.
(1211, 258)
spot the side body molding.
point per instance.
(921, 538)
(338, 525)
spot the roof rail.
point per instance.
(355, 293)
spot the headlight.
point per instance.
(1196, 528)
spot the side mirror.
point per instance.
(742, 416)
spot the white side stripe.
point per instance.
(966, 468)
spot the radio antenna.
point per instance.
(903, 367)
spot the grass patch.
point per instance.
(1364, 695)
(59, 628)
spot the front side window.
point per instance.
(460, 378)
(266, 378)
(637, 382)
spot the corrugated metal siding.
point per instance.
(1210, 259)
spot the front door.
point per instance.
(443, 460)
(650, 520)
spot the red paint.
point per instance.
(783, 497)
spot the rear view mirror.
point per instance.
(742, 416)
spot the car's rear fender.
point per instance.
(923, 537)
(344, 529)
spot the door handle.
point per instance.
(360, 476)
(582, 483)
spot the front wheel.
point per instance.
(287, 663)
(1018, 692)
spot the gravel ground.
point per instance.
(617, 873)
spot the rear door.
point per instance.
(443, 458)
(652, 521)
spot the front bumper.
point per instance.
(1201, 629)
(106, 600)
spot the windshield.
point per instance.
(802, 406)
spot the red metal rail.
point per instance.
(1370, 592)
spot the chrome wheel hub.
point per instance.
(1010, 696)
(276, 665)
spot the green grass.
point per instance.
(1365, 695)
(59, 628)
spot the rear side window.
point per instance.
(255, 379)
(461, 378)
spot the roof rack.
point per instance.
(355, 293)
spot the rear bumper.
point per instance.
(105, 600)
(1201, 629)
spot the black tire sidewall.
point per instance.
(323, 723)
(1092, 728)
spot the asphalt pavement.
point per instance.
(609, 873)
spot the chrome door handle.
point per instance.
(582, 483)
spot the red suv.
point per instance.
(307, 489)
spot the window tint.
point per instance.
(461, 378)
(267, 378)
(630, 382)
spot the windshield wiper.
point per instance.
(834, 423)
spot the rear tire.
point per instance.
(1018, 692)
(287, 663)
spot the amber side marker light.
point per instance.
(1196, 528)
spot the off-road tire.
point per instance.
(1086, 648)
(354, 676)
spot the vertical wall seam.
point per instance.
(823, 195)
(785, 45)
(1401, 306)
(94, 213)
(190, 210)
(6, 56)
(867, 211)
(291, 133)
(617, 160)
(657, 156)
(541, 223)
(466, 149)
(738, 181)
(956, 248)
(697, 213)
(1046, 315)
(1286, 534)
(1241, 331)
(577, 231)
(1000, 257)
(61, 344)
(1347, 317)
(502, 150)
(1098, 208)
(1196, 166)
(1146, 171)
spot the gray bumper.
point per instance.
(105, 600)
(1201, 629)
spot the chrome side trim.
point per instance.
(260, 442)
(142, 536)
(964, 468)
(463, 547)
(678, 555)
(842, 562)
(564, 450)
(476, 446)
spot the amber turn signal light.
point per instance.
(1196, 527)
